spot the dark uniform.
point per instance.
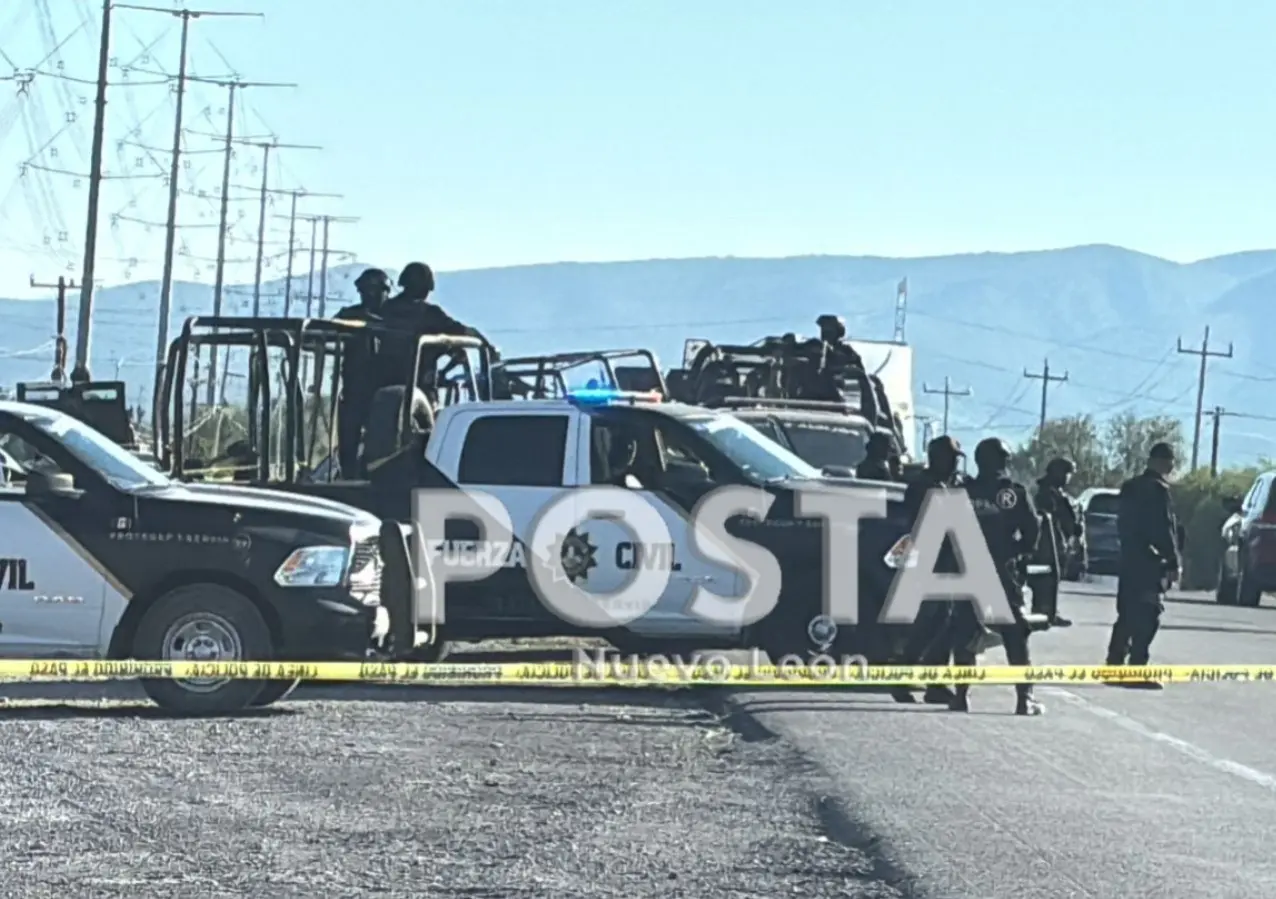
(411, 312)
(1150, 563)
(357, 381)
(930, 640)
(837, 349)
(877, 460)
(1011, 529)
(1052, 499)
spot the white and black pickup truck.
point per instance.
(104, 557)
(530, 453)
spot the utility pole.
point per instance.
(170, 231)
(296, 196)
(265, 192)
(1045, 378)
(223, 225)
(59, 348)
(322, 249)
(949, 392)
(84, 322)
(1218, 413)
(1205, 353)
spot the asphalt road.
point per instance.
(396, 791)
(1113, 792)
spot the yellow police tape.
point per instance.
(642, 673)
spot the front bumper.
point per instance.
(328, 625)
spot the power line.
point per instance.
(1046, 379)
(1205, 353)
(1217, 414)
(948, 392)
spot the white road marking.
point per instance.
(1191, 750)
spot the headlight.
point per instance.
(902, 554)
(314, 566)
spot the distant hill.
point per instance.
(1107, 316)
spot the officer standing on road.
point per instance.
(357, 379)
(1150, 560)
(1011, 528)
(1052, 499)
(930, 640)
(877, 459)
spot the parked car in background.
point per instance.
(1098, 506)
(1247, 563)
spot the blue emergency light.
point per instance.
(602, 396)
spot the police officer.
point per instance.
(1051, 498)
(1148, 531)
(358, 381)
(930, 640)
(877, 459)
(411, 312)
(836, 346)
(1011, 529)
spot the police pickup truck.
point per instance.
(528, 454)
(104, 557)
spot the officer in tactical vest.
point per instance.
(1011, 529)
(1052, 499)
(1150, 560)
(837, 349)
(357, 380)
(930, 640)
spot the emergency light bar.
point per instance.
(603, 396)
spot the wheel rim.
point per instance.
(202, 637)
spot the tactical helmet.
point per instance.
(992, 454)
(834, 323)
(417, 278)
(1060, 467)
(372, 279)
(879, 441)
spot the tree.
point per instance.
(1128, 439)
(1075, 437)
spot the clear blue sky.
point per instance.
(507, 131)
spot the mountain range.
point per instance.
(1109, 318)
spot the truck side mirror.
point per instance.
(1232, 505)
(44, 483)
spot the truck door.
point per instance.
(52, 595)
(620, 553)
(527, 461)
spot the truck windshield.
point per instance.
(117, 465)
(821, 444)
(759, 458)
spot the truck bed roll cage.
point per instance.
(295, 336)
(545, 376)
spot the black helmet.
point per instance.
(992, 454)
(880, 442)
(833, 323)
(372, 279)
(1059, 467)
(416, 277)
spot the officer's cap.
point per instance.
(1061, 465)
(829, 320)
(944, 445)
(1162, 451)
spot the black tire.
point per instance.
(1225, 594)
(1248, 593)
(273, 692)
(223, 610)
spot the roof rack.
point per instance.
(763, 402)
